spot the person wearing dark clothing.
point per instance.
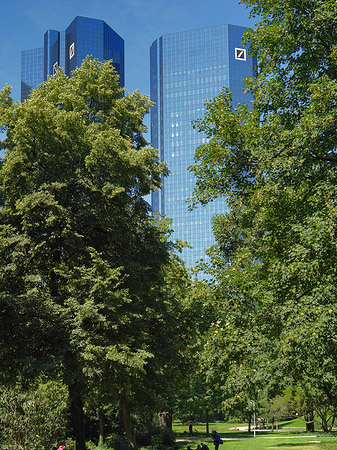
(204, 447)
(216, 439)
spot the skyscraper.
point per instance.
(186, 69)
(68, 48)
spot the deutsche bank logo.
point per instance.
(240, 53)
(55, 69)
(72, 50)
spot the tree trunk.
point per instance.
(128, 427)
(309, 422)
(101, 427)
(169, 420)
(207, 423)
(165, 420)
(76, 405)
(148, 422)
(249, 422)
(77, 415)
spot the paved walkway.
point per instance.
(196, 438)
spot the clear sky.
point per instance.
(138, 22)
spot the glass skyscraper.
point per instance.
(67, 49)
(188, 68)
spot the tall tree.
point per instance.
(275, 163)
(82, 260)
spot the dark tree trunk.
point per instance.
(76, 405)
(169, 420)
(207, 423)
(309, 422)
(101, 427)
(249, 422)
(148, 424)
(128, 427)
(77, 415)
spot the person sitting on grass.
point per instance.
(204, 447)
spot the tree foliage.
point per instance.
(83, 262)
(35, 415)
(275, 163)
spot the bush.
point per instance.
(143, 438)
(163, 438)
(92, 446)
(112, 442)
(70, 444)
(116, 442)
(36, 417)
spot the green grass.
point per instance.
(290, 436)
(264, 443)
(295, 423)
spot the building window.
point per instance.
(240, 53)
(72, 50)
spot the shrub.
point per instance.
(116, 442)
(36, 417)
(163, 438)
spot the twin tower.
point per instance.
(186, 69)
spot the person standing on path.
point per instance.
(216, 439)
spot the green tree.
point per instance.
(154, 388)
(275, 163)
(197, 398)
(81, 286)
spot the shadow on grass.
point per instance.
(304, 444)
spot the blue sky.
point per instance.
(138, 22)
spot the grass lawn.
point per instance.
(289, 436)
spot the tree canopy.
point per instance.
(82, 286)
(275, 163)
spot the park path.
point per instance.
(196, 438)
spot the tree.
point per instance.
(197, 397)
(82, 277)
(275, 163)
(154, 387)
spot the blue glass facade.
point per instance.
(186, 69)
(32, 67)
(68, 48)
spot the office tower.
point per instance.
(188, 68)
(68, 48)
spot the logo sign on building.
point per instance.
(240, 54)
(72, 50)
(55, 68)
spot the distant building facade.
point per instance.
(188, 68)
(67, 49)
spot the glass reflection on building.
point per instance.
(188, 68)
(67, 49)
